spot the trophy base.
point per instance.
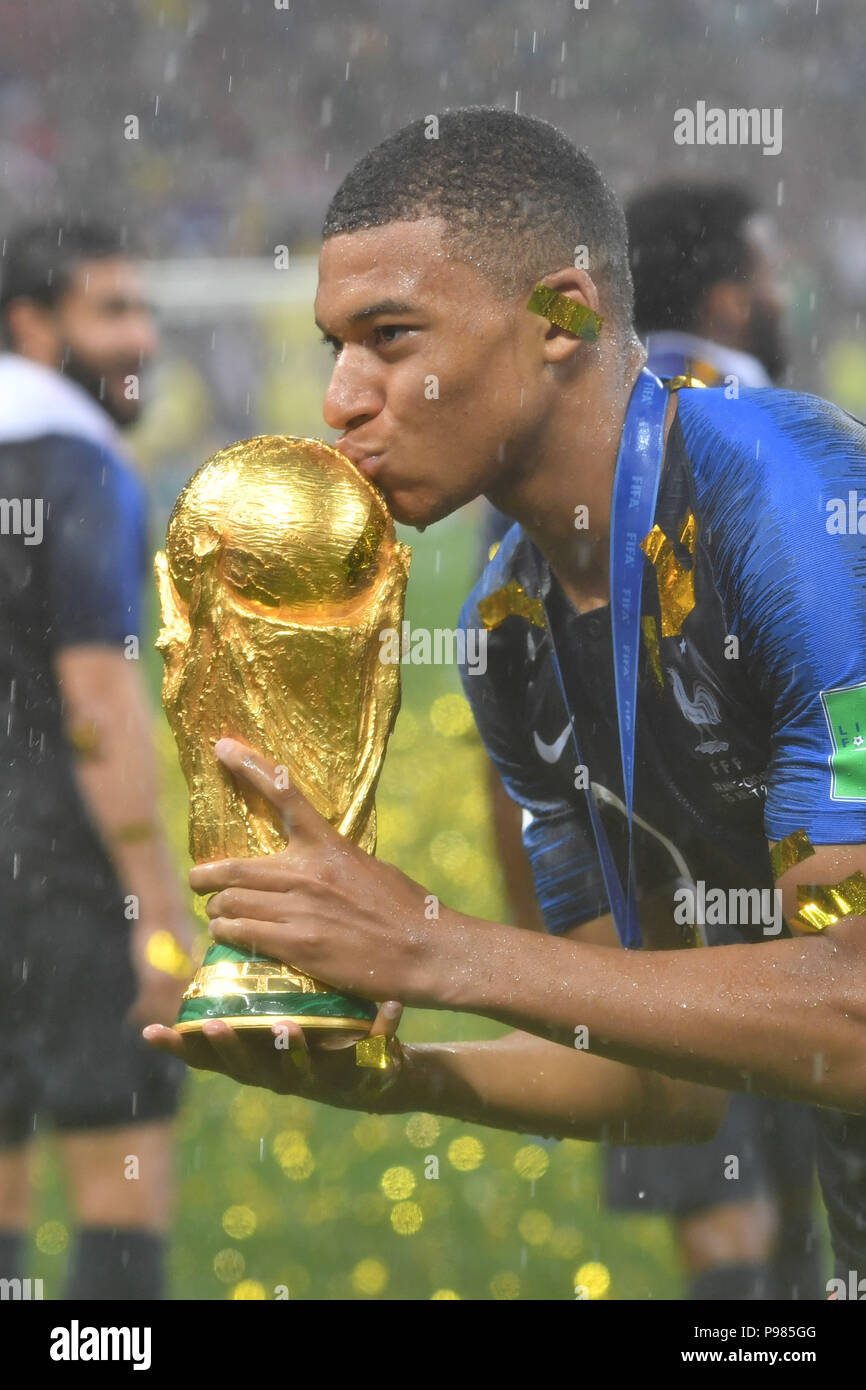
(310, 1011)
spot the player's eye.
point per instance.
(388, 333)
(333, 344)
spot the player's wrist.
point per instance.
(469, 961)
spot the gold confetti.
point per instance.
(422, 1130)
(505, 1286)
(535, 1227)
(651, 642)
(792, 850)
(565, 313)
(249, 1290)
(407, 1218)
(369, 1276)
(676, 584)
(397, 1183)
(511, 601)
(531, 1162)
(228, 1266)
(52, 1238)
(165, 953)
(465, 1153)
(441, 1295)
(239, 1222)
(451, 715)
(819, 905)
(295, 1158)
(373, 1052)
(594, 1278)
(677, 382)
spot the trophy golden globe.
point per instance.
(281, 568)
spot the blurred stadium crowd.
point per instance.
(249, 113)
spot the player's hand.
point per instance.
(280, 1059)
(326, 907)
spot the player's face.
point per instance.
(106, 333)
(437, 388)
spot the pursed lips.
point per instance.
(365, 460)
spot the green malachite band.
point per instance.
(333, 1009)
(330, 1006)
(217, 952)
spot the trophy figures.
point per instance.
(281, 568)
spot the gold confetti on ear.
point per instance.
(373, 1052)
(819, 905)
(565, 313)
(792, 850)
(651, 642)
(511, 601)
(676, 584)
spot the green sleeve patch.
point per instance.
(845, 712)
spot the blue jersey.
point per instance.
(752, 678)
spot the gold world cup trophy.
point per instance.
(280, 570)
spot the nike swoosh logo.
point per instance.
(552, 752)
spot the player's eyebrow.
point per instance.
(371, 311)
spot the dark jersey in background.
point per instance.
(67, 1052)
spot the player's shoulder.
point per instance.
(89, 472)
(769, 434)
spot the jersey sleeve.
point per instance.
(557, 833)
(797, 589)
(95, 532)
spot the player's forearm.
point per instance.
(529, 1085)
(115, 770)
(787, 1018)
(118, 791)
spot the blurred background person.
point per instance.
(708, 302)
(93, 921)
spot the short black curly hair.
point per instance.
(684, 238)
(517, 196)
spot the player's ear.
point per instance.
(578, 287)
(32, 330)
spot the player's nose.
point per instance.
(352, 396)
